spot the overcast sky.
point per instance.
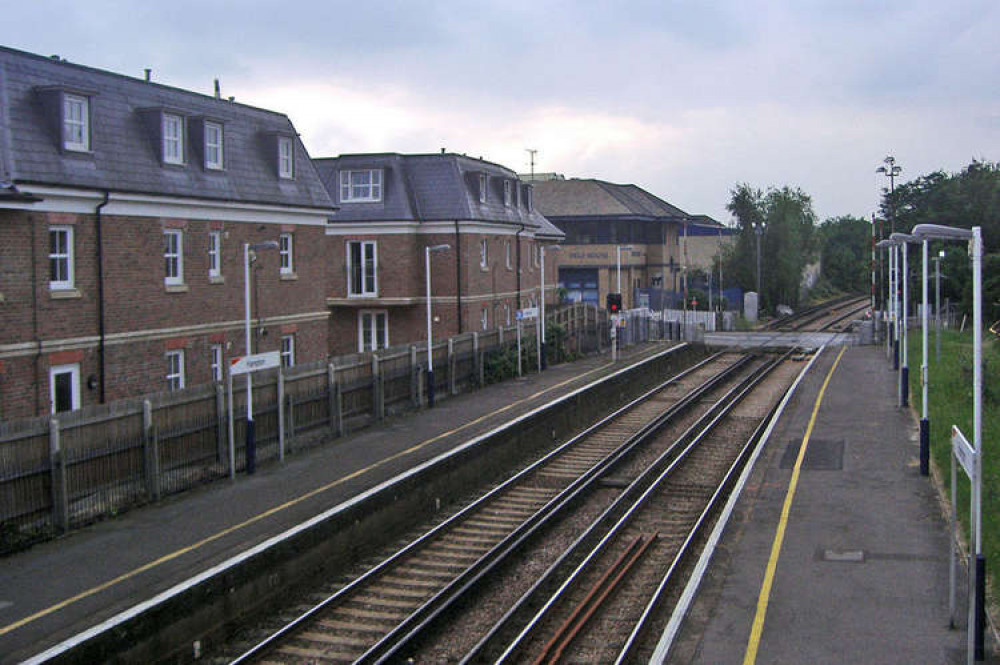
(685, 99)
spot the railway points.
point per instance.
(591, 561)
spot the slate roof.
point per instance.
(579, 198)
(124, 153)
(432, 188)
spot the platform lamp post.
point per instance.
(904, 240)
(543, 361)
(758, 229)
(430, 339)
(614, 322)
(251, 435)
(891, 332)
(977, 567)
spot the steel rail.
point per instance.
(733, 398)
(688, 440)
(295, 624)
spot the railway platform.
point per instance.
(862, 574)
(57, 589)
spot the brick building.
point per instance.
(124, 208)
(392, 207)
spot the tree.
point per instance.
(845, 253)
(785, 244)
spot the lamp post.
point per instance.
(977, 567)
(430, 341)
(251, 435)
(891, 169)
(892, 336)
(904, 378)
(543, 361)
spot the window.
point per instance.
(173, 139)
(215, 253)
(175, 370)
(363, 186)
(64, 387)
(288, 351)
(286, 157)
(527, 198)
(484, 319)
(534, 254)
(361, 264)
(61, 258)
(484, 253)
(285, 254)
(373, 330)
(216, 351)
(506, 193)
(173, 257)
(76, 123)
(482, 188)
(507, 258)
(213, 145)
(506, 314)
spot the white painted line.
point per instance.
(680, 611)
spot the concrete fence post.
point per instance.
(222, 431)
(151, 450)
(60, 500)
(281, 415)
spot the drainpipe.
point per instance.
(100, 292)
(458, 277)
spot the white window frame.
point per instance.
(368, 268)
(372, 344)
(483, 183)
(216, 362)
(508, 259)
(356, 190)
(287, 350)
(62, 258)
(214, 155)
(484, 318)
(484, 253)
(173, 256)
(535, 253)
(506, 313)
(73, 370)
(286, 253)
(173, 138)
(175, 370)
(215, 254)
(506, 193)
(527, 198)
(286, 157)
(76, 126)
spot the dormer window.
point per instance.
(362, 186)
(76, 123)
(506, 193)
(173, 138)
(286, 157)
(213, 145)
(482, 188)
(527, 197)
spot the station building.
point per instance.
(124, 208)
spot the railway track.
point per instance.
(825, 316)
(415, 602)
(366, 619)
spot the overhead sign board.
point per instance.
(255, 362)
(964, 452)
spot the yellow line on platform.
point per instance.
(272, 511)
(750, 658)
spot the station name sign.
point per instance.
(964, 452)
(255, 362)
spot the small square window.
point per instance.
(61, 266)
(173, 139)
(173, 257)
(175, 370)
(213, 145)
(285, 253)
(215, 253)
(286, 157)
(76, 123)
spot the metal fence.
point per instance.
(63, 471)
